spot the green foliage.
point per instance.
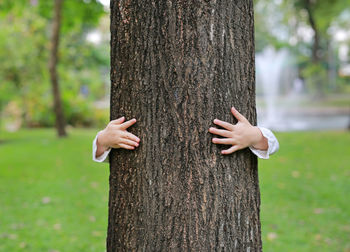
(78, 110)
(24, 56)
(22, 63)
(325, 11)
(59, 200)
(315, 74)
(76, 14)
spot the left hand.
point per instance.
(240, 135)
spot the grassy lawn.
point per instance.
(305, 193)
(54, 198)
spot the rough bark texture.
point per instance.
(60, 121)
(175, 66)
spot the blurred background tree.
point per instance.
(25, 91)
(316, 34)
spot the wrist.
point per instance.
(100, 141)
(257, 137)
(260, 142)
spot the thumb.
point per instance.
(238, 115)
(118, 121)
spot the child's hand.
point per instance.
(115, 135)
(240, 135)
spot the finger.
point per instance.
(230, 150)
(220, 132)
(131, 136)
(222, 141)
(125, 146)
(118, 121)
(223, 124)
(238, 115)
(129, 142)
(127, 124)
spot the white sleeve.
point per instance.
(103, 157)
(273, 144)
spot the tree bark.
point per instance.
(60, 121)
(175, 66)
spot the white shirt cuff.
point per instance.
(103, 157)
(273, 144)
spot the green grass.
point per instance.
(54, 198)
(305, 193)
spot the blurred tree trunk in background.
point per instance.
(60, 121)
(175, 66)
(316, 43)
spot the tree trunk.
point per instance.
(175, 66)
(60, 122)
(316, 43)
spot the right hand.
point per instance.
(115, 135)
